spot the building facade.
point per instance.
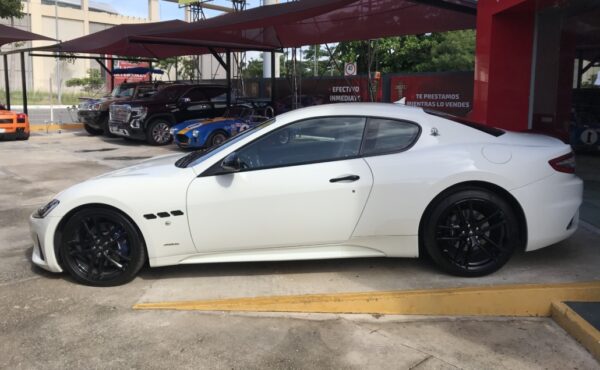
(71, 19)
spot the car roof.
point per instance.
(356, 109)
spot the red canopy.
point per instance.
(11, 34)
(116, 41)
(309, 22)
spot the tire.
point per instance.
(471, 232)
(92, 131)
(23, 137)
(158, 133)
(101, 247)
(216, 138)
(105, 129)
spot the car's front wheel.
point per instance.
(471, 232)
(101, 247)
(158, 132)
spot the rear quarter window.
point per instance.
(385, 135)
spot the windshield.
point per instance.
(200, 155)
(123, 91)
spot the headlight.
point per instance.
(96, 106)
(173, 131)
(45, 210)
(139, 112)
(195, 133)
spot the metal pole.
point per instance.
(24, 82)
(579, 68)
(228, 74)
(6, 82)
(112, 75)
(58, 77)
(273, 80)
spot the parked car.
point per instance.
(93, 113)
(13, 125)
(330, 181)
(151, 118)
(209, 132)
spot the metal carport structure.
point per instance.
(9, 35)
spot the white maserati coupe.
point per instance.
(331, 181)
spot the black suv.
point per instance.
(151, 118)
(93, 113)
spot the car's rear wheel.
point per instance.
(92, 131)
(471, 232)
(158, 132)
(101, 247)
(217, 138)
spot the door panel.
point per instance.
(287, 206)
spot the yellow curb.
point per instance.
(55, 127)
(577, 327)
(501, 300)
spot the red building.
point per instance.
(530, 55)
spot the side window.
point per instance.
(387, 135)
(307, 141)
(195, 95)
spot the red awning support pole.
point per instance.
(24, 83)
(273, 81)
(6, 82)
(228, 74)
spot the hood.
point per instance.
(195, 123)
(154, 167)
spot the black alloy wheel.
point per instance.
(471, 232)
(217, 139)
(101, 247)
(159, 132)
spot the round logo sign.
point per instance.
(350, 69)
(589, 136)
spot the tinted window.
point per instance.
(312, 140)
(386, 136)
(195, 95)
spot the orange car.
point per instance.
(13, 125)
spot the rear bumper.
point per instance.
(551, 208)
(14, 131)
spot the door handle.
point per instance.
(349, 178)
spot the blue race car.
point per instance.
(209, 132)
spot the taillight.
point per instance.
(564, 163)
(21, 118)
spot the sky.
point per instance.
(168, 10)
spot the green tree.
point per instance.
(253, 69)
(11, 9)
(448, 51)
(91, 83)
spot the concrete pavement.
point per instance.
(50, 322)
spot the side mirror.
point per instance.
(231, 163)
(185, 101)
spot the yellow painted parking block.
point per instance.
(55, 127)
(579, 329)
(501, 300)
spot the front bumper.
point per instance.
(125, 130)
(551, 208)
(42, 233)
(91, 118)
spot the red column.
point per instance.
(504, 53)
